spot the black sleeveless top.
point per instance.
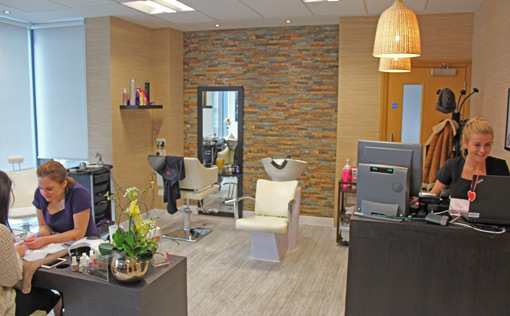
(450, 174)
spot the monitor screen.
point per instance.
(395, 154)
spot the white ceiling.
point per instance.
(228, 13)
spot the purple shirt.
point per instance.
(76, 200)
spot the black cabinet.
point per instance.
(97, 182)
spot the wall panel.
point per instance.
(491, 61)
(290, 77)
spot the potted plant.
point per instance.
(131, 250)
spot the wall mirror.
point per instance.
(220, 138)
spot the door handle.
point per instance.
(391, 137)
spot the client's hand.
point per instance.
(20, 249)
(33, 242)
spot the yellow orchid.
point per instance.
(134, 209)
(144, 226)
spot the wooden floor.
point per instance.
(224, 280)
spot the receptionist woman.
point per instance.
(457, 173)
(63, 208)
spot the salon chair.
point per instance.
(23, 188)
(227, 154)
(199, 183)
(273, 231)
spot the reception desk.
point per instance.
(415, 268)
(163, 291)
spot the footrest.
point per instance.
(193, 235)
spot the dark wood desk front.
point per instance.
(422, 269)
(163, 291)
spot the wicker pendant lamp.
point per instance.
(398, 34)
(395, 65)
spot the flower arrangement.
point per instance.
(133, 241)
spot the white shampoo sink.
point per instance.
(283, 169)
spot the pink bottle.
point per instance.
(346, 175)
(354, 174)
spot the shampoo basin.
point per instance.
(283, 169)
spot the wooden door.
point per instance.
(392, 98)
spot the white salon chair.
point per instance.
(273, 228)
(199, 183)
(227, 154)
(24, 184)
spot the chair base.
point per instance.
(273, 246)
(193, 235)
(268, 246)
(187, 233)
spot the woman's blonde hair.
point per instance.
(56, 172)
(476, 125)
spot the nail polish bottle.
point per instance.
(74, 264)
(83, 263)
(92, 259)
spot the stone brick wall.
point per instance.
(290, 79)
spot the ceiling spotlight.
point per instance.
(288, 21)
(7, 12)
(217, 25)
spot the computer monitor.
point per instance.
(396, 154)
(388, 173)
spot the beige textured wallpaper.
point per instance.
(119, 51)
(491, 61)
(99, 113)
(443, 37)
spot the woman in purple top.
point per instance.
(63, 207)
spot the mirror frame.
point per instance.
(240, 138)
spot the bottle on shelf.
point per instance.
(132, 95)
(346, 175)
(124, 97)
(354, 174)
(148, 91)
(137, 100)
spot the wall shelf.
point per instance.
(140, 107)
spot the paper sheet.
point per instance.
(459, 206)
(38, 254)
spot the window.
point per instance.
(60, 92)
(17, 133)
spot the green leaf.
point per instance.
(139, 250)
(130, 241)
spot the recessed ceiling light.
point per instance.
(7, 12)
(149, 7)
(288, 21)
(321, 0)
(217, 25)
(176, 5)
